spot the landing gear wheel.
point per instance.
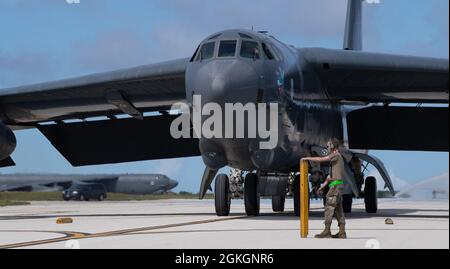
(278, 203)
(296, 194)
(325, 192)
(370, 195)
(347, 201)
(222, 195)
(251, 195)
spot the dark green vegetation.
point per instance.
(384, 194)
(12, 203)
(7, 197)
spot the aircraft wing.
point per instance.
(22, 187)
(52, 182)
(131, 91)
(358, 76)
(355, 76)
(35, 186)
(7, 162)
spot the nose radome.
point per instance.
(173, 183)
(218, 85)
(233, 82)
(223, 81)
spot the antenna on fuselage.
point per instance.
(353, 26)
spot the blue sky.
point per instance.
(45, 40)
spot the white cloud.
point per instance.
(173, 168)
(420, 190)
(399, 184)
(424, 189)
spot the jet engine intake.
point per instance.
(7, 141)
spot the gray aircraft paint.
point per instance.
(310, 85)
(126, 183)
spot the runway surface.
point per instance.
(191, 224)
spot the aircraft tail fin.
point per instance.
(353, 26)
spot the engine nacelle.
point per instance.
(7, 141)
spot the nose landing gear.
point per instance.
(278, 203)
(250, 190)
(227, 188)
(251, 195)
(222, 195)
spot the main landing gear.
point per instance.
(370, 195)
(254, 185)
(224, 192)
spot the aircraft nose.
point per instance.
(173, 183)
(225, 81)
(218, 86)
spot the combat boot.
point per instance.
(341, 234)
(326, 233)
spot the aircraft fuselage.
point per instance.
(306, 118)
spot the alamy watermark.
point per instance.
(72, 244)
(262, 121)
(373, 244)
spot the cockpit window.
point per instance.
(227, 48)
(195, 54)
(207, 51)
(267, 52)
(250, 49)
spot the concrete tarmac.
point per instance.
(192, 224)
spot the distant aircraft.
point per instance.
(127, 184)
(360, 97)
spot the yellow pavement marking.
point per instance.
(74, 235)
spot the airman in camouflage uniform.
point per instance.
(333, 206)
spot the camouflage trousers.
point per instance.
(333, 206)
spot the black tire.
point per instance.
(278, 203)
(222, 195)
(325, 192)
(101, 197)
(347, 202)
(370, 195)
(296, 194)
(251, 195)
(82, 198)
(65, 198)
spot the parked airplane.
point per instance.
(128, 184)
(313, 88)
